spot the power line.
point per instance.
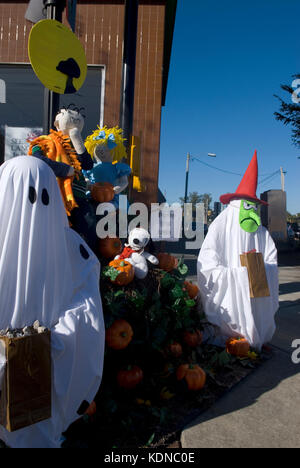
(268, 182)
(224, 170)
(216, 168)
(269, 177)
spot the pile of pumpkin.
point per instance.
(171, 291)
(154, 329)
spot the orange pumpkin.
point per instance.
(192, 289)
(102, 192)
(126, 272)
(193, 374)
(166, 262)
(193, 338)
(237, 346)
(174, 349)
(119, 334)
(110, 247)
(91, 409)
(130, 377)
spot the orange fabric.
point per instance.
(57, 147)
(127, 251)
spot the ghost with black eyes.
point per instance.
(48, 273)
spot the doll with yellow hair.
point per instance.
(106, 146)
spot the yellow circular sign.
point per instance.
(57, 57)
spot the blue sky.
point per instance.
(228, 60)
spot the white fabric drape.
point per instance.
(224, 284)
(48, 273)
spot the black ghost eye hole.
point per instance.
(84, 252)
(32, 194)
(136, 241)
(45, 197)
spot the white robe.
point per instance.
(224, 283)
(48, 273)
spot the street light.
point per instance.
(212, 155)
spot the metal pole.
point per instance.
(186, 176)
(128, 72)
(54, 10)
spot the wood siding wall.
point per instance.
(99, 27)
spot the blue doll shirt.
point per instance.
(108, 172)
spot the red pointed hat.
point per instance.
(248, 185)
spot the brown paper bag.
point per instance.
(257, 274)
(26, 384)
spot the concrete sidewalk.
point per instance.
(262, 411)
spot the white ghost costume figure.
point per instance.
(224, 283)
(48, 273)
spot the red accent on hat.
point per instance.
(248, 185)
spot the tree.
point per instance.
(206, 199)
(195, 197)
(289, 112)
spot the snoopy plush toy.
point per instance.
(134, 253)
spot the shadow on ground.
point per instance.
(273, 383)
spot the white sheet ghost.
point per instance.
(48, 273)
(224, 283)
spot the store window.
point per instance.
(22, 101)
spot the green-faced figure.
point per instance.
(249, 216)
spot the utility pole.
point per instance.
(282, 172)
(54, 9)
(186, 176)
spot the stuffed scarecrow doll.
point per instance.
(64, 151)
(48, 273)
(106, 147)
(224, 283)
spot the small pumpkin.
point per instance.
(109, 247)
(102, 192)
(193, 374)
(91, 409)
(130, 377)
(119, 334)
(126, 272)
(193, 338)
(174, 349)
(237, 346)
(166, 262)
(191, 288)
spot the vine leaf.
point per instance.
(110, 272)
(182, 268)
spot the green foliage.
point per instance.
(110, 272)
(289, 112)
(159, 311)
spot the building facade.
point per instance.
(273, 215)
(100, 29)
